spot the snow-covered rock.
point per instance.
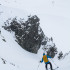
(12, 56)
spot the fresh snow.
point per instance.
(55, 21)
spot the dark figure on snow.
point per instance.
(46, 61)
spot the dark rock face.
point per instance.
(29, 35)
(52, 51)
(60, 55)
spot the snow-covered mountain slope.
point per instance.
(64, 64)
(12, 56)
(9, 12)
(58, 11)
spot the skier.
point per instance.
(45, 59)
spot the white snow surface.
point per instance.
(55, 21)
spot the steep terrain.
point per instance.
(12, 56)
